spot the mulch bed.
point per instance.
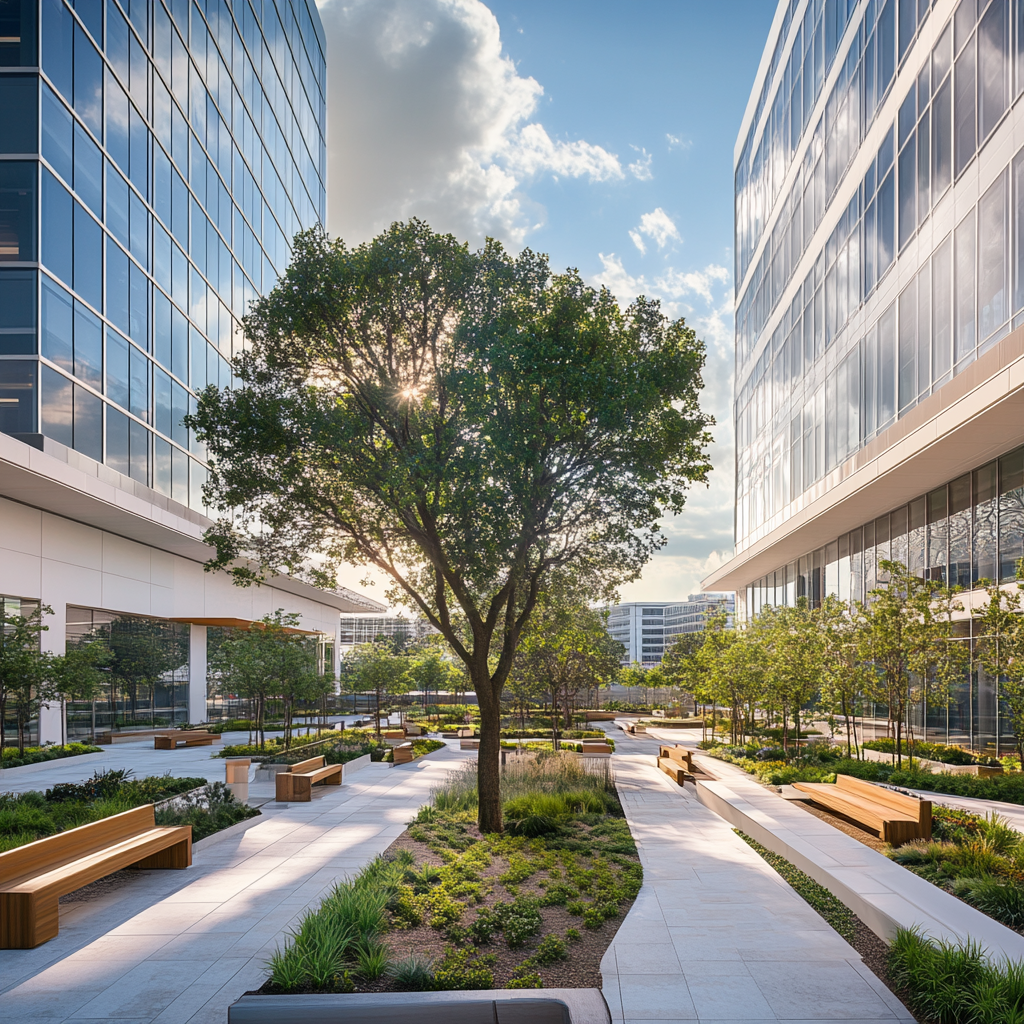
(581, 970)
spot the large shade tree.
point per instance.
(466, 422)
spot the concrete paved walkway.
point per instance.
(716, 935)
(180, 946)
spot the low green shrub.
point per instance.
(209, 811)
(1001, 899)
(943, 752)
(413, 974)
(10, 758)
(462, 970)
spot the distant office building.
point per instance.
(364, 629)
(640, 628)
(692, 615)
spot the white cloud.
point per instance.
(640, 168)
(701, 538)
(676, 284)
(656, 225)
(427, 117)
(675, 142)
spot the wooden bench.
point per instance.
(297, 782)
(595, 747)
(402, 754)
(676, 762)
(196, 738)
(465, 744)
(893, 817)
(34, 876)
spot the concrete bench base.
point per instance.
(489, 1006)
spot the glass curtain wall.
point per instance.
(970, 529)
(15, 606)
(146, 680)
(795, 421)
(156, 159)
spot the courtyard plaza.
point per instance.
(715, 934)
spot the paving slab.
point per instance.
(179, 947)
(749, 950)
(883, 894)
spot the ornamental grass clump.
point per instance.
(951, 984)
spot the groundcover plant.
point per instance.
(450, 908)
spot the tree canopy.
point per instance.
(465, 421)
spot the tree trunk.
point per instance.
(489, 757)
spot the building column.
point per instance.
(53, 641)
(197, 674)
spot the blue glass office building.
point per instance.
(155, 162)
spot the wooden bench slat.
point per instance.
(910, 819)
(34, 876)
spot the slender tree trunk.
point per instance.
(489, 757)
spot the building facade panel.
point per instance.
(156, 159)
(880, 310)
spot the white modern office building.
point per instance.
(692, 615)
(155, 160)
(366, 627)
(879, 246)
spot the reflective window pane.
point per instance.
(18, 34)
(88, 74)
(88, 258)
(58, 46)
(18, 396)
(57, 336)
(88, 424)
(17, 210)
(88, 347)
(117, 287)
(88, 171)
(117, 369)
(118, 456)
(18, 114)
(57, 396)
(17, 312)
(1011, 514)
(58, 135)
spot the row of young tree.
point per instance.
(565, 656)
(909, 643)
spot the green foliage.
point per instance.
(1001, 899)
(573, 934)
(932, 751)
(461, 970)
(951, 984)
(835, 912)
(37, 755)
(207, 812)
(32, 815)
(524, 977)
(550, 950)
(373, 959)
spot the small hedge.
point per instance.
(823, 766)
(834, 911)
(9, 757)
(932, 751)
(419, 748)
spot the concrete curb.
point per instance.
(227, 833)
(884, 895)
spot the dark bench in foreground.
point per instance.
(490, 1006)
(191, 738)
(33, 877)
(893, 817)
(296, 784)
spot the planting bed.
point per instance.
(447, 908)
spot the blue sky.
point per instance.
(598, 132)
